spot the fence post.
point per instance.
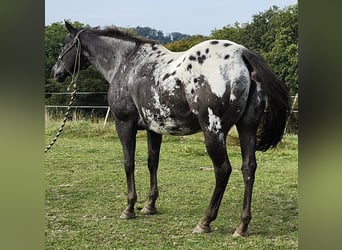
(107, 114)
(291, 111)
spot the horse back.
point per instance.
(171, 90)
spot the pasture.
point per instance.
(86, 193)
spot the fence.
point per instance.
(291, 125)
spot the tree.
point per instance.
(274, 34)
(232, 33)
(185, 44)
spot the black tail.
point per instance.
(273, 123)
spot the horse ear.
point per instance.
(70, 28)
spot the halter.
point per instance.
(77, 43)
(74, 42)
(74, 76)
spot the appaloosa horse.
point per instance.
(211, 87)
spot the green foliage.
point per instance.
(185, 44)
(234, 33)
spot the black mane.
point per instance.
(121, 33)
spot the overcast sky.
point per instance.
(185, 16)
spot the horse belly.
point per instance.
(171, 127)
(169, 117)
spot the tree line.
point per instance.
(273, 33)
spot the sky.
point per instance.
(184, 16)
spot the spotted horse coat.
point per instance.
(210, 87)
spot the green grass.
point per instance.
(85, 194)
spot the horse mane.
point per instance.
(121, 33)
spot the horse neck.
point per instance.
(107, 54)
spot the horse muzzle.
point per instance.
(59, 74)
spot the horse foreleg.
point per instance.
(154, 142)
(249, 165)
(216, 148)
(127, 134)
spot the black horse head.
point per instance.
(73, 56)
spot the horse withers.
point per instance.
(210, 87)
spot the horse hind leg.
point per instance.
(154, 142)
(216, 148)
(247, 128)
(249, 165)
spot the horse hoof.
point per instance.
(127, 215)
(201, 229)
(237, 234)
(148, 211)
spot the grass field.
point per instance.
(85, 194)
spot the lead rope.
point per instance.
(66, 116)
(74, 79)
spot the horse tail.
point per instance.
(272, 125)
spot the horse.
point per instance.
(210, 87)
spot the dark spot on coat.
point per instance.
(167, 75)
(201, 59)
(178, 82)
(207, 50)
(214, 42)
(198, 53)
(173, 73)
(154, 48)
(158, 52)
(227, 44)
(179, 65)
(189, 67)
(170, 61)
(192, 91)
(226, 57)
(192, 58)
(195, 80)
(151, 55)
